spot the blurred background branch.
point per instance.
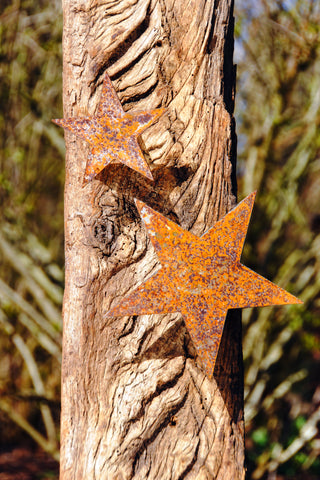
(31, 227)
(278, 115)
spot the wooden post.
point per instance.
(134, 402)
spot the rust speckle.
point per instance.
(112, 134)
(201, 277)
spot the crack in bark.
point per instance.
(161, 427)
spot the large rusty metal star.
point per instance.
(112, 134)
(201, 277)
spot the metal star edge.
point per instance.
(201, 277)
(112, 134)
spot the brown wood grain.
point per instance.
(135, 405)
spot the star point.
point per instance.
(112, 134)
(201, 277)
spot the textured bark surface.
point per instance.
(135, 405)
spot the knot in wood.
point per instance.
(104, 231)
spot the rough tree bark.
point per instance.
(135, 405)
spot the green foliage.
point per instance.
(278, 125)
(260, 436)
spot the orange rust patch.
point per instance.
(112, 134)
(201, 277)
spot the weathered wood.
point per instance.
(134, 402)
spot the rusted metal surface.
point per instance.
(201, 277)
(112, 134)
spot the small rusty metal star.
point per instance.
(201, 277)
(112, 134)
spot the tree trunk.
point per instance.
(135, 405)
